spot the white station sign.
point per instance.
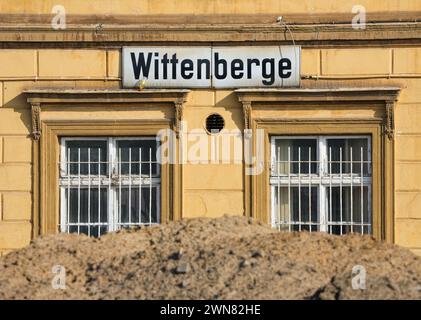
(211, 67)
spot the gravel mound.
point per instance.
(224, 258)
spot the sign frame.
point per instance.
(212, 67)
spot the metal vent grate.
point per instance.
(214, 123)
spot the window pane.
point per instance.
(87, 212)
(297, 209)
(359, 150)
(98, 150)
(132, 200)
(129, 150)
(349, 220)
(304, 150)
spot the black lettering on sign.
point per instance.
(200, 62)
(174, 62)
(187, 69)
(237, 68)
(268, 75)
(165, 62)
(156, 65)
(250, 63)
(267, 69)
(219, 62)
(284, 68)
(139, 64)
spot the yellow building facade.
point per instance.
(67, 82)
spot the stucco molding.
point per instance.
(36, 125)
(118, 29)
(178, 120)
(390, 120)
(246, 114)
(41, 98)
(303, 95)
(386, 96)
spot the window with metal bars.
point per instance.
(321, 183)
(108, 183)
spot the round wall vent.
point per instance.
(214, 123)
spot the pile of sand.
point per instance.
(225, 258)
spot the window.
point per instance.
(321, 183)
(108, 183)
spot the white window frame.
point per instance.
(323, 180)
(113, 181)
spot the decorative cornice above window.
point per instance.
(38, 98)
(386, 96)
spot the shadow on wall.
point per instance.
(231, 101)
